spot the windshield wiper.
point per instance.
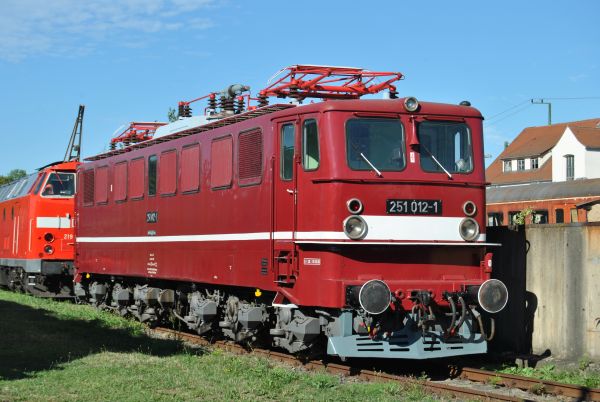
(357, 149)
(370, 164)
(436, 161)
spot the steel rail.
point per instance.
(535, 385)
(339, 369)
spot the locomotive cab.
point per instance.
(389, 227)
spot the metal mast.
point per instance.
(74, 148)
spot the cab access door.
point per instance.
(285, 262)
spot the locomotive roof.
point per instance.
(360, 105)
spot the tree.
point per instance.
(13, 175)
(172, 115)
(521, 217)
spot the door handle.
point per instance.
(291, 191)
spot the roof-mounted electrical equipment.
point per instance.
(327, 82)
(135, 132)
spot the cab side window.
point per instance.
(310, 145)
(286, 168)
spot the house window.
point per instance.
(559, 215)
(512, 215)
(520, 164)
(535, 163)
(507, 166)
(574, 215)
(540, 217)
(495, 219)
(570, 161)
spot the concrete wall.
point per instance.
(553, 276)
(563, 273)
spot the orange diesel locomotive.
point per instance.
(37, 233)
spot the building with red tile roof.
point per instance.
(547, 156)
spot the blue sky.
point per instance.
(133, 59)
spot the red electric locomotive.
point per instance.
(352, 225)
(36, 228)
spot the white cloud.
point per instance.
(34, 27)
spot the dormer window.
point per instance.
(535, 163)
(570, 164)
(520, 164)
(507, 166)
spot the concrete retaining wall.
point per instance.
(563, 272)
(553, 275)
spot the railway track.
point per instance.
(504, 381)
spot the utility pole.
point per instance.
(541, 102)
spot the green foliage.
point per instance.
(582, 376)
(172, 115)
(13, 175)
(521, 217)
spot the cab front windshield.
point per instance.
(445, 146)
(59, 184)
(375, 143)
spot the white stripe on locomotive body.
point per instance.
(413, 229)
(52, 222)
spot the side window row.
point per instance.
(130, 181)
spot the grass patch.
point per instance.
(56, 351)
(582, 376)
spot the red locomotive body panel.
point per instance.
(330, 218)
(36, 228)
(222, 235)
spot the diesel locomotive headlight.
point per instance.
(492, 295)
(468, 229)
(48, 249)
(355, 227)
(49, 237)
(411, 104)
(469, 208)
(354, 206)
(375, 296)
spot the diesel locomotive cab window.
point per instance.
(375, 144)
(445, 146)
(59, 185)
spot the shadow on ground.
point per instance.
(33, 340)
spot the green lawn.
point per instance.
(57, 351)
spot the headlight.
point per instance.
(355, 227)
(492, 295)
(469, 208)
(354, 206)
(411, 104)
(375, 296)
(468, 229)
(48, 249)
(49, 237)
